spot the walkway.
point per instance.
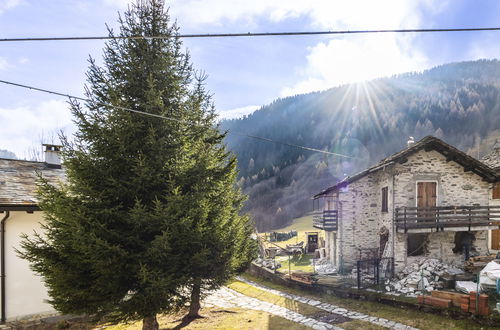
(228, 298)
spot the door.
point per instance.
(495, 239)
(312, 243)
(426, 197)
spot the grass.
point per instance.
(216, 318)
(295, 306)
(412, 318)
(301, 225)
(302, 263)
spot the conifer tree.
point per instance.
(150, 208)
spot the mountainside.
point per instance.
(458, 102)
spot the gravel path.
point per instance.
(332, 308)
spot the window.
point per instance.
(496, 190)
(385, 198)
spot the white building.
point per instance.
(22, 293)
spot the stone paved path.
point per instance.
(228, 298)
(332, 308)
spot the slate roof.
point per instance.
(428, 143)
(493, 158)
(18, 181)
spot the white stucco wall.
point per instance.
(25, 292)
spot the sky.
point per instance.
(243, 73)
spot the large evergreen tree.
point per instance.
(149, 209)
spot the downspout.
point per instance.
(2, 265)
(393, 217)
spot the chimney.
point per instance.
(496, 146)
(410, 142)
(52, 155)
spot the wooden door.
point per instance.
(495, 239)
(426, 197)
(426, 194)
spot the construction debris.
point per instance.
(303, 277)
(324, 267)
(490, 275)
(422, 275)
(475, 264)
(466, 286)
(267, 263)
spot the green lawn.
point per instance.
(301, 225)
(300, 263)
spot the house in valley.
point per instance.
(23, 293)
(420, 201)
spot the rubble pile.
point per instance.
(267, 263)
(323, 266)
(422, 275)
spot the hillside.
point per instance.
(458, 102)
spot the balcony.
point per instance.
(447, 218)
(326, 220)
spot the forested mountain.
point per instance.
(458, 102)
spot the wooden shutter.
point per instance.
(496, 190)
(495, 239)
(385, 198)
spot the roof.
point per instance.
(493, 158)
(428, 143)
(18, 181)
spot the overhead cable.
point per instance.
(252, 34)
(163, 117)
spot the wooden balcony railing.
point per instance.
(442, 217)
(326, 220)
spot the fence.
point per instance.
(373, 272)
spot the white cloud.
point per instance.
(355, 59)
(3, 64)
(22, 127)
(8, 4)
(321, 13)
(237, 112)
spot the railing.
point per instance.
(326, 220)
(441, 217)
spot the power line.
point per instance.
(293, 145)
(252, 34)
(163, 117)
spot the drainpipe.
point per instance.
(393, 219)
(2, 265)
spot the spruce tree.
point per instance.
(150, 208)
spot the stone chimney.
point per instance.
(410, 142)
(52, 155)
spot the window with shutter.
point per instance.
(385, 198)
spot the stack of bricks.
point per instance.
(434, 301)
(470, 303)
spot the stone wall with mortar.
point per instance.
(454, 187)
(361, 218)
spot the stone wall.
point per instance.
(454, 186)
(361, 217)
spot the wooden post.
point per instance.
(289, 267)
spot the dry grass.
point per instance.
(217, 318)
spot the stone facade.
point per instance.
(361, 218)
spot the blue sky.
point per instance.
(244, 73)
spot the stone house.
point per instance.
(417, 202)
(22, 293)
